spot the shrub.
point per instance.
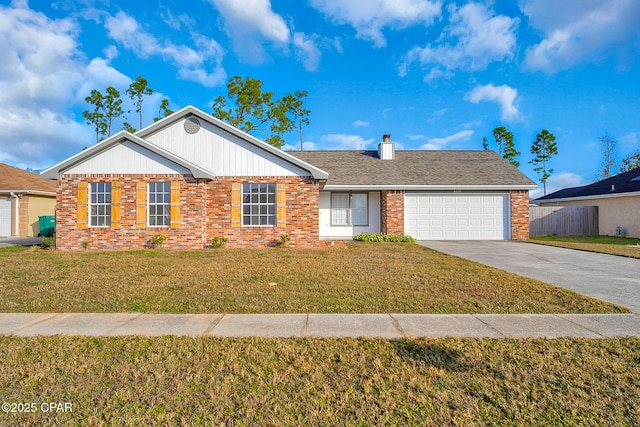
(380, 237)
(284, 240)
(219, 242)
(48, 242)
(158, 240)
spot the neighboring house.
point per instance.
(192, 177)
(24, 196)
(617, 199)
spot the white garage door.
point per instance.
(5, 217)
(457, 216)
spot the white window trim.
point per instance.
(90, 204)
(275, 205)
(349, 216)
(157, 204)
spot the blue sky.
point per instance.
(433, 74)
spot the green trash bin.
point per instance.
(47, 225)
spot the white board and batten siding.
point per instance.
(328, 231)
(127, 158)
(5, 217)
(457, 216)
(221, 152)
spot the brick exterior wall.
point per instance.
(205, 212)
(392, 207)
(519, 214)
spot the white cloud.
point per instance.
(110, 52)
(441, 143)
(176, 22)
(37, 59)
(249, 23)
(306, 145)
(581, 31)
(360, 124)
(36, 138)
(503, 95)
(439, 113)
(41, 80)
(630, 139)
(436, 74)
(558, 182)
(368, 18)
(192, 65)
(471, 124)
(345, 142)
(307, 50)
(477, 37)
(100, 74)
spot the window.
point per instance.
(159, 200)
(100, 204)
(259, 204)
(349, 209)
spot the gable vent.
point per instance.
(191, 125)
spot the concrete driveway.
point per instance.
(24, 241)
(607, 277)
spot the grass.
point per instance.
(361, 278)
(322, 382)
(612, 245)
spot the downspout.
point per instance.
(16, 215)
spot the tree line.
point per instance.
(544, 147)
(246, 107)
(107, 107)
(253, 110)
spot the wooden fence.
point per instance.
(563, 221)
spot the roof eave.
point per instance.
(34, 192)
(443, 187)
(595, 196)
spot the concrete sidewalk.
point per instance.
(324, 325)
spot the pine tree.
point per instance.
(543, 148)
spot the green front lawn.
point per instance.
(361, 278)
(623, 246)
(321, 382)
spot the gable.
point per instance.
(220, 151)
(126, 157)
(126, 153)
(208, 148)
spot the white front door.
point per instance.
(457, 216)
(5, 217)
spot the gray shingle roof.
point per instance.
(628, 182)
(416, 167)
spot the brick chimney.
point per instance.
(386, 149)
